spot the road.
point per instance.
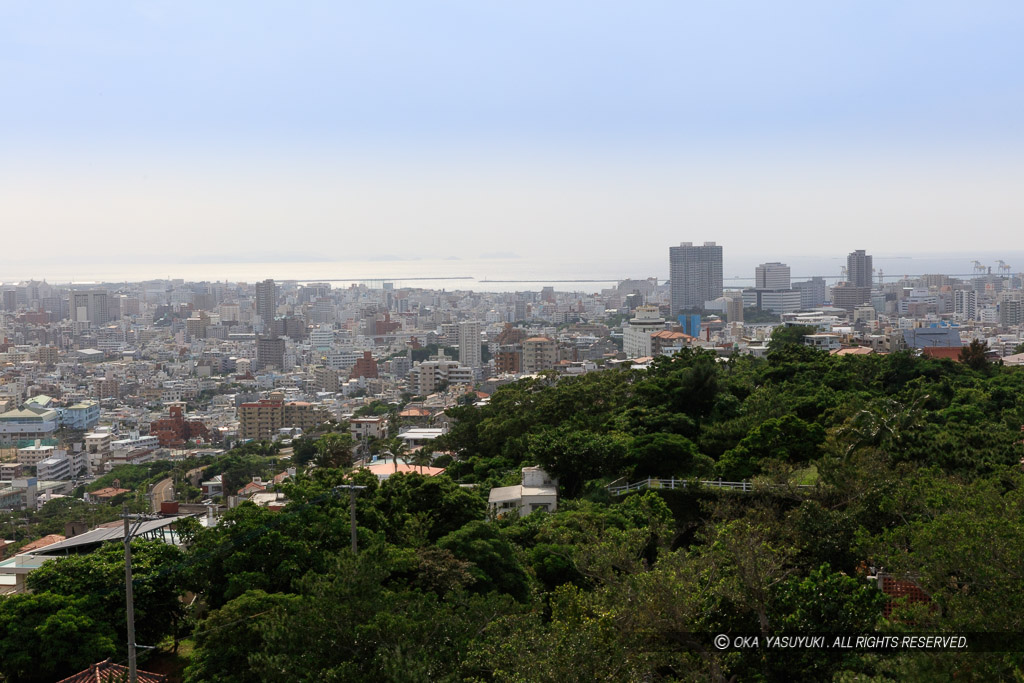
(163, 490)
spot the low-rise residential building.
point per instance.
(823, 341)
(364, 428)
(62, 466)
(175, 430)
(429, 376)
(539, 354)
(35, 454)
(421, 436)
(538, 491)
(82, 415)
(134, 441)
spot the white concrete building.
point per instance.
(823, 341)
(469, 344)
(61, 466)
(636, 337)
(771, 276)
(364, 428)
(539, 491)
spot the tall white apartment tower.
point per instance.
(696, 275)
(469, 344)
(965, 304)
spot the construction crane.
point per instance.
(978, 268)
(1004, 268)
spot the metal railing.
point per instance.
(674, 483)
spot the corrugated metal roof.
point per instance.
(105, 534)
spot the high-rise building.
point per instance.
(849, 297)
(771, 276)
(469, 344)
(812, 293)
(965, 304)
(266, 302)
(270, 353)
(734, 309)
(858, 269)
(89, 306)
(696, 275)
(771, 291)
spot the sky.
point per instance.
(169, 132)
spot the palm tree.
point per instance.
(884, 425)
(423, 457)
(398, 449)
(334, 450)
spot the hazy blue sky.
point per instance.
(236, 130)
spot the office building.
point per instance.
(772, 300)
(696, 275)
(89, 306)
(771, 276)
(771, 291)
(849, 297)
(812, 293)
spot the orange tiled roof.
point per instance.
(950, 352)
(384, 468)
(852, 351)
(42, 543)
(415, 412)
(108, 672)
(669, 334)
(108, 492)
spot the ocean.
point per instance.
(495, 275)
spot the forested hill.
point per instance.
(858, 461)
(695, 415)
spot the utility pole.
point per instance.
(129, 531)
(133, 674)
(352, 488)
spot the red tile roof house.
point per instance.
(108, 672)
(901, 592)
(254, 486)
